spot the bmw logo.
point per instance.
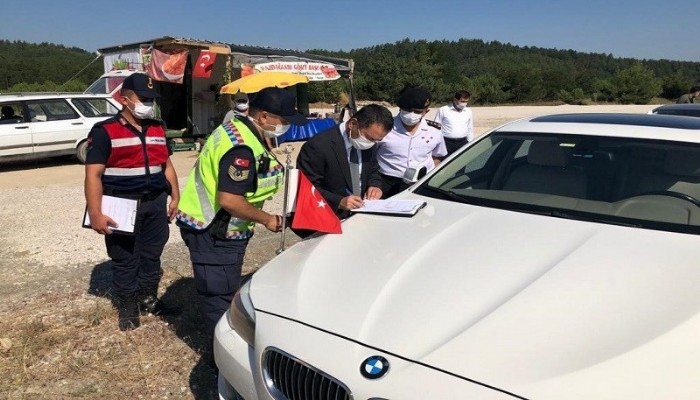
(374, 367)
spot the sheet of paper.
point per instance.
(389, 206)
(122, 211)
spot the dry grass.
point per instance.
(66, 345)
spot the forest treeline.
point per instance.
(34, 67)
(497, 73)
(494, 72)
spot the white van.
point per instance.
(43, 125)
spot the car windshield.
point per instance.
(105, 85)
(94, 107)
(651, 184)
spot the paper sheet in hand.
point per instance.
(391, 207)
(122, 211)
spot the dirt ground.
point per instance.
(58, 336)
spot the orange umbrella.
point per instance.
(261, 80)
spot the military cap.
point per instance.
(142, 85)
(414, 98)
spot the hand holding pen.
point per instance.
(351, 201)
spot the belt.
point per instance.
(462, 139)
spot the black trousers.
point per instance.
(136, 259)
(392, 185)
(455, 144)
(216, 265)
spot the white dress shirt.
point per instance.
(456, 124)
(348, 144)
(399, 150)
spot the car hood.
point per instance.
(519, 301)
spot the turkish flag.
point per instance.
(204, 64)
(312, 211)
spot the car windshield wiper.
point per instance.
(580, 216)
(449, 194)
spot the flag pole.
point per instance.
(285, 200)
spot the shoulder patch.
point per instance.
(237, 175)
(434, 124)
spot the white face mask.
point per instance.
(460, 106)
(241, 106)
(279, 131)
(142, 110)
(361, 142)
(409, 118)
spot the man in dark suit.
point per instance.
(341, 161)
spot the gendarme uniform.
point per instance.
(233, 160)
(135, 162)
(199, 206)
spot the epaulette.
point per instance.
(434, 124)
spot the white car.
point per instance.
(557, 258)
(36, 126)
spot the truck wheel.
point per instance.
(81, 152)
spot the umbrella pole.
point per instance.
(285, 200)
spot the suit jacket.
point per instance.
(324, 160)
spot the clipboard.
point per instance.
(121, 210)
(398, 208)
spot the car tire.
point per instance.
(81, 151)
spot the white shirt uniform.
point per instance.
(456, 124)
(399, 150)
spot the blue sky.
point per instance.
(650, 29)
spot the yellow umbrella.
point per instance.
(261, 80)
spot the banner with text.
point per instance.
(313, 71)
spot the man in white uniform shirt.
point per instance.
(414, 142)
(457, 122)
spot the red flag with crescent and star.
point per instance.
(312, 210)
(204, 64)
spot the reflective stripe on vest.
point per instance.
(198, 202)
(132, 171)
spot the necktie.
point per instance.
(355, 172)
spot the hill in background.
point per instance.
(494, 72)
(26, 65)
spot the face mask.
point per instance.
(361, 142)
(241, 106)
(460, 106)
(409, 118)
(279, 131)
(142, 110)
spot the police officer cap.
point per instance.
(414, 98)
(142, 85)
(278, 102)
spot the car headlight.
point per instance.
(241, 315)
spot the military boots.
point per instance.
(128, 310)
(149, 303)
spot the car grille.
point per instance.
(289, 378)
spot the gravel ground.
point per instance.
(46, 248)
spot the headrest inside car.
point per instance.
(548, 153)
(682, 162)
